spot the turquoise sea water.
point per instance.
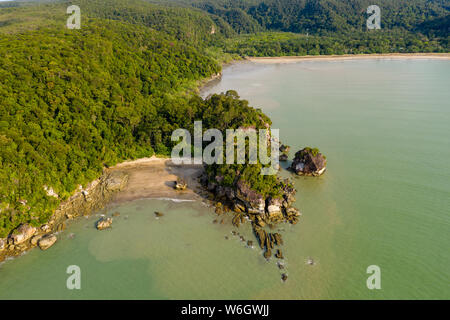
(384, 126)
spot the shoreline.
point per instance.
(144, 178)
(291, 59)
(205, 84)
(155, 177)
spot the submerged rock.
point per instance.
(22, 233)
(104, 223)
(61, 227)
(284, 277)
(277, 239)
(268, 253)
(158, 214)
(309, 162)
(116, 214)
(47, 241)
(279, 254)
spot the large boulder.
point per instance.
(22, 233)
(104, 223)
(47, 241)
(309, 162)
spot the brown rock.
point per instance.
(279, 254)
(35, 239)
(61, 226)
(180, 184)
(268, 253)
(22, 233)
(47, 241)
(104, 223)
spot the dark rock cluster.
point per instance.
(309, 162)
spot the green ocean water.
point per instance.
(384, 126)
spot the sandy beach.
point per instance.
(155, 178)
(291, 59)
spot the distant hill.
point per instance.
(324, 16)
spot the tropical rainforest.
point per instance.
(75, 101)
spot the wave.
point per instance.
(174, 199)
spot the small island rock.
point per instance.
(104, 223)
(309, 162)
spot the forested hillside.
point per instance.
(74, 101)
(322, 16)
(330, 26)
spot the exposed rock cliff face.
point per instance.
(84, 202)
(309, 162)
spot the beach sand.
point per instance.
(291, 59)
(155, 178)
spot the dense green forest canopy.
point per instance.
(323, 16)
(74, 101)
(312, 27)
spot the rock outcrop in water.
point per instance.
(309, 162)
(104, 223)
(82, 203)
(284, 152)
(47, 241)
(262, 212)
